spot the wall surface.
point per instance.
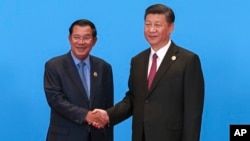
(31, 32)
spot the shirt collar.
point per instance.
(77, 61)
(162, 51)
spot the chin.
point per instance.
(153, 43)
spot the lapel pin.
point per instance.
(95, 74)
(173, 58)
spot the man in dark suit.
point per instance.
(72, 90)
(169, 105)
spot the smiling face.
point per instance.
(81, 41)
(157, 30)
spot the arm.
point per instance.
(120, 111)
(113, 115)
(57, 99)
(117, 113)
(123, 109)
(193, 100)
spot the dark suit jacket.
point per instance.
(172, 109)
(69, 103)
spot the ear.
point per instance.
(94, 40)
(171, 28)
(69, 38)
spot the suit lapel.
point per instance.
(145, 69)
(74, 75)
(94, 79)
(168, 60)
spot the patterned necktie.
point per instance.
(152, 70)
(81, 66)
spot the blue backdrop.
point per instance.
(34, 31)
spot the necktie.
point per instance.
(81, 66)
(152, 70)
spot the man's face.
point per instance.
(81, 41)
(157, 30)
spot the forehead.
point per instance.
(156, 18)
(82, 29)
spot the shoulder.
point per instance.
(99, 61)
(57, 60)
(184, 55)
(184, 52)
(142, 54)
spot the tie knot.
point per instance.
(155, 56)
(81, 64)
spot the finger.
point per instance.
(97, 125)
(95, 111)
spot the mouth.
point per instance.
(152, 37)
(81, 48)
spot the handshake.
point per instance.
(97, 118)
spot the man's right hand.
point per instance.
(97, 118)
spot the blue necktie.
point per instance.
(81, 66)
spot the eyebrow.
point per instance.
(82, 36)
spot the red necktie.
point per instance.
(152, 71)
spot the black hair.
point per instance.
(161, 9)
(83, 22)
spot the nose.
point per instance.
(82, 41)
(152, 29)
